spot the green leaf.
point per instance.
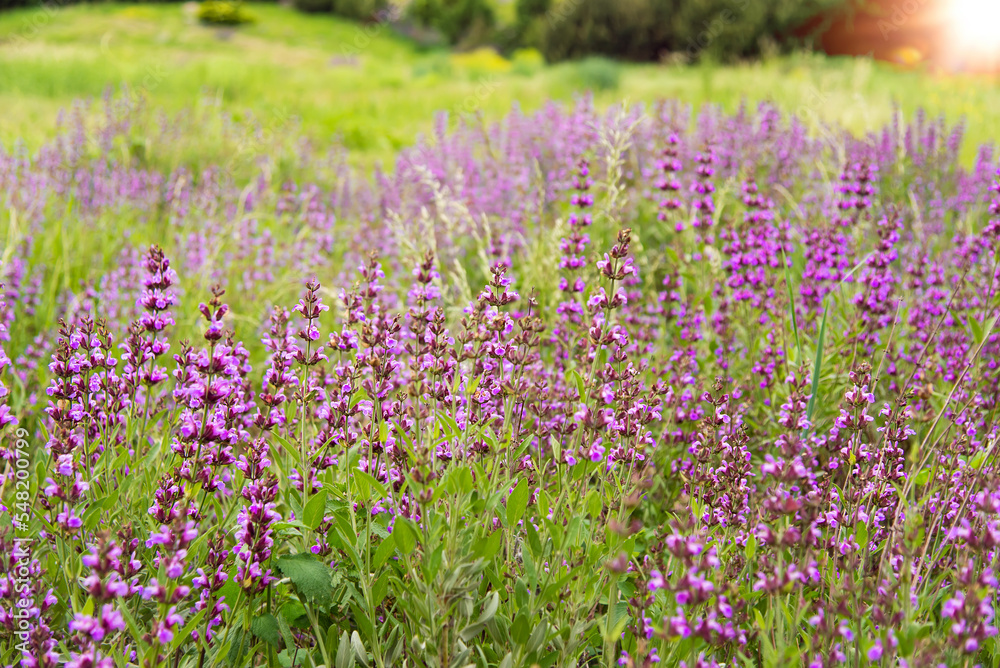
(345, 656)
(750, 550)
(235, 655)
(861, 534)
(293, 501)
(432, 563)
(593, 504)
(185, 633)
(520, 630)
(458, 480)
(395, 648)
(521, 596)
(791, 306)
(534, 542)
(529, 568)
(93, 514)
(517, 502)
(342, 538)
(537, 637)
(362, 620)
(266, 628)
(451, 429)
(380, 587)
(289, 524)
(291, 612)
(130, 622)
(490, 607)
(385, 550)
(817, 366)
(543, 504)
(312, 578)
(362, 476)
(359, 396)
(315, 508)
(977, 329)
(490, 546)
(981, 456)
(360, 653)
(404, 535)
(286, 631)
(581, 387)
(121, 460)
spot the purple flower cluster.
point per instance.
(683, 376)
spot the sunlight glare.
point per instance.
(976, 25)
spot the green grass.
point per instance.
(286, 65)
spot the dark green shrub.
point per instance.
(468, 21)
(578, 28)
(52, 5)
(528, 10)
(359, 10)
(224, 13)
(528, 30)
(597, 73)
(314, 6)
(650, 29)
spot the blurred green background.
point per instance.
(375, 84)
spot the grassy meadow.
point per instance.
(375, 91)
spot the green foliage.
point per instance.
(622, 28)
(358, 10)
(267, 629)
(51, 6)
(528, 30)
(527, 61)
(361, 10)
(530, 9)
(314, 6)
(598, 74)
(460, 21)
(224, 13)
(314, 510)
(312, 578)
(650, 29)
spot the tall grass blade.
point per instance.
(791, 308)
(817, 365)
